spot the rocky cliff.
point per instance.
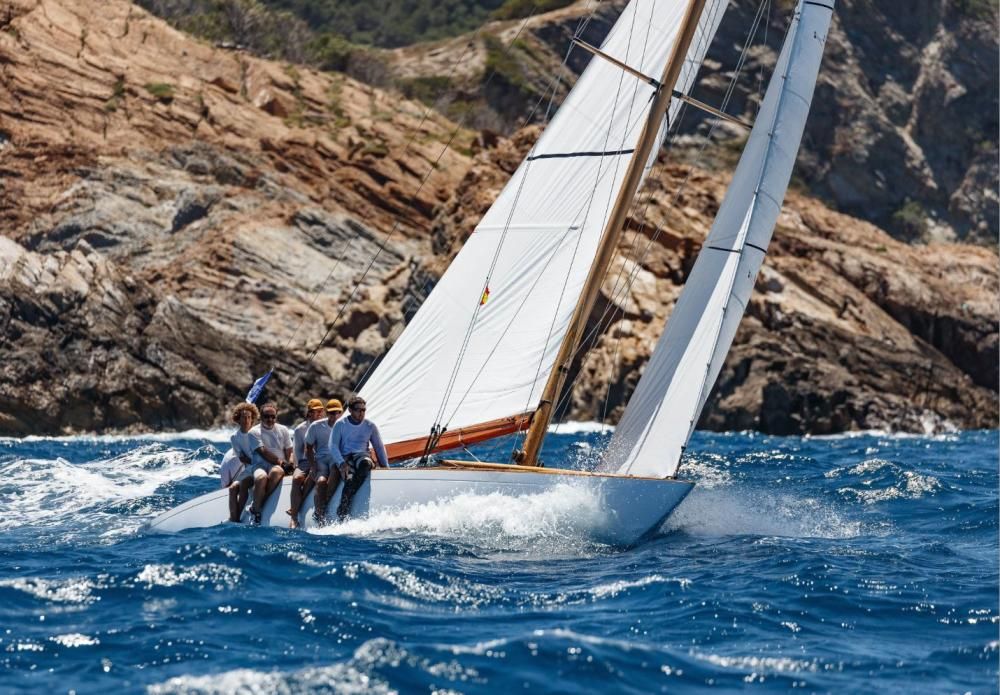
(902, 131)
(177, 218)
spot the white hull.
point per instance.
(632, 507)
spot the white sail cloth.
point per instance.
(461, 361)
(669, 398)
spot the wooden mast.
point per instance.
(609, 238)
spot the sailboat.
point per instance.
(488, 352)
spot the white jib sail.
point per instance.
(669, 398)
(463, 361)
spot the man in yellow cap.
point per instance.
(302, 482)
(324, 472)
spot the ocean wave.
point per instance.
(216, 436)
(362, 673)
(35, 491)
(882, 480)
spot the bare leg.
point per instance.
(243, 495)
(235, 508)
(299, 481)
(259, 493)
(273, 480)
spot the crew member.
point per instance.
(264, 466)
(302, 482)
(349, 446)
(324, 472)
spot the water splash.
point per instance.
(562, 518)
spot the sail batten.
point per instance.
(463, 360)
(675, 385)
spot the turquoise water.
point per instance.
(847, 564)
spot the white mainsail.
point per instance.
(669, 398)
(467, 358)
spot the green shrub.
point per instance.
(163, 91)
(911, 219)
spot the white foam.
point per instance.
(453, 590)
(44, 492)
(75, 639)
(354, 676)
(728, 512)
(759, 663)
(614, 588)
(560, 518)
(217, 436)
(219, 576)
(73, 590)
(902, 484)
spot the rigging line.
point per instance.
(576, 247)
(406, 149)
(618, 292)
(453, 377)
(396, 224)
(315, 297)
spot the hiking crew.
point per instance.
(302, 482)
(349, 447)
(324, 471)
(264, 466)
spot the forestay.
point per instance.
(673, 389)
(472, 355)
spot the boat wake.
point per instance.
(555, 521)
(106, 497)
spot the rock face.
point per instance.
(177, 219)
(902, 131)
(848, 328)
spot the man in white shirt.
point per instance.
(324, 472)
(302, 482)
(263, 465)
(351, 440)
(275, 436)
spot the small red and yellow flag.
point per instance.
(486, 296)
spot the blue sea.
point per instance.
(863, 563)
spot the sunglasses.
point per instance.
(268, 416)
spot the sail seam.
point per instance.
(567, 155)
(818, 4)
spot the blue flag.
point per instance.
(258, 386)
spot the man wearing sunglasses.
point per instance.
(349, 445)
